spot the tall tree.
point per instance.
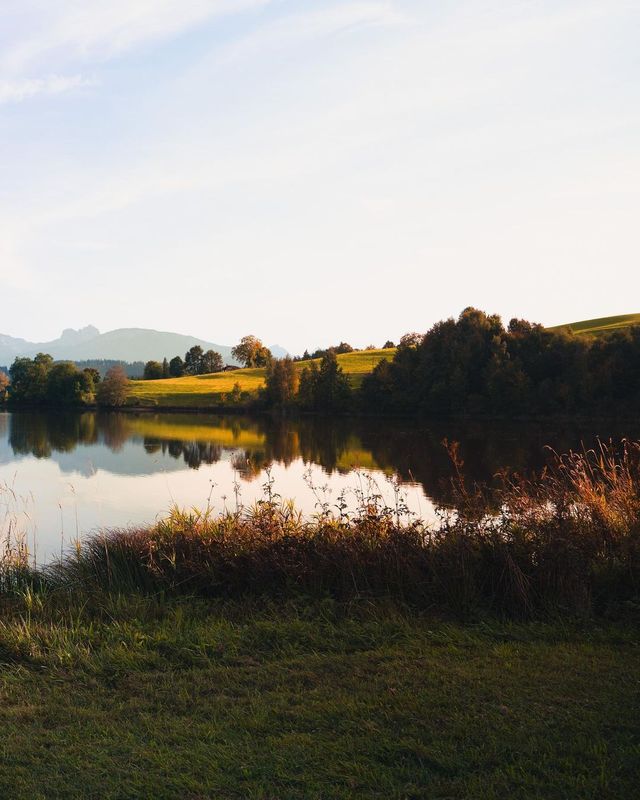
(211, 362)
(251, 352)
(29, 379)
(282, 383)
(176, 367)
(67, 385)
(114, 388)
(325, 388)
(153, 371)
(193, 360)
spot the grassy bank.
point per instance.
(107, 696)
(216, 390)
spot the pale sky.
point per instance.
(316, 171)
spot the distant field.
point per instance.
(202, 391)
(596, 327)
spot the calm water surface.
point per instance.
(64, 475)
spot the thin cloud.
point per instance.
(17, 90)
(70, 30)
(335, 19)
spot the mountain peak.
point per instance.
(72, 336)
(122, 344)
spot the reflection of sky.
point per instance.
(93, 487)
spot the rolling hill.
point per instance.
(208, 391)
(600, 326)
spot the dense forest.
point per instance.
(474, 366)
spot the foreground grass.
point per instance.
(602, 325)
(209, 391)
(137, 698)
(261, 655)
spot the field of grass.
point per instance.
(128, 698)
(203, 391)
(597, 327)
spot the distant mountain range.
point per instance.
(123, 344)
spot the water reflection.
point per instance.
(143, 444)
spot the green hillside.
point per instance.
(203, 391)
(597, 327)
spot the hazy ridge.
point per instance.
(125, 344)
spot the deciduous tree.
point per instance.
(282, 383)
(114, 388)
(211, 362)
(251, 352)
(176, 367)
(153, 371)
(193, 360)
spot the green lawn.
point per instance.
(203, 391)
(189, 701)
(595, 327)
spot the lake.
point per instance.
(63, 475)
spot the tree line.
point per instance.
(249, 351)
(196, 362)
(475, 366)
(469, 366)
(41, 381)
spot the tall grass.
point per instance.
(15, 565)
(565, 541)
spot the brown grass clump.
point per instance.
(567, 541)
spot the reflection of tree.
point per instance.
(114, 430)
(194, 453)
(41, 434)
(324, 441)
(29, 435)
(417, 453)
(250, 464)
(197, 453)
(88, 428)
(412, 450)
(174, 448)
(282, 440)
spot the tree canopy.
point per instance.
(474, 365)
(251, 352)
(41, 381)
(113, 389)
(153, 371)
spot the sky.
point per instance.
(311, 172)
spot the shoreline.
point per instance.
(563, 419)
